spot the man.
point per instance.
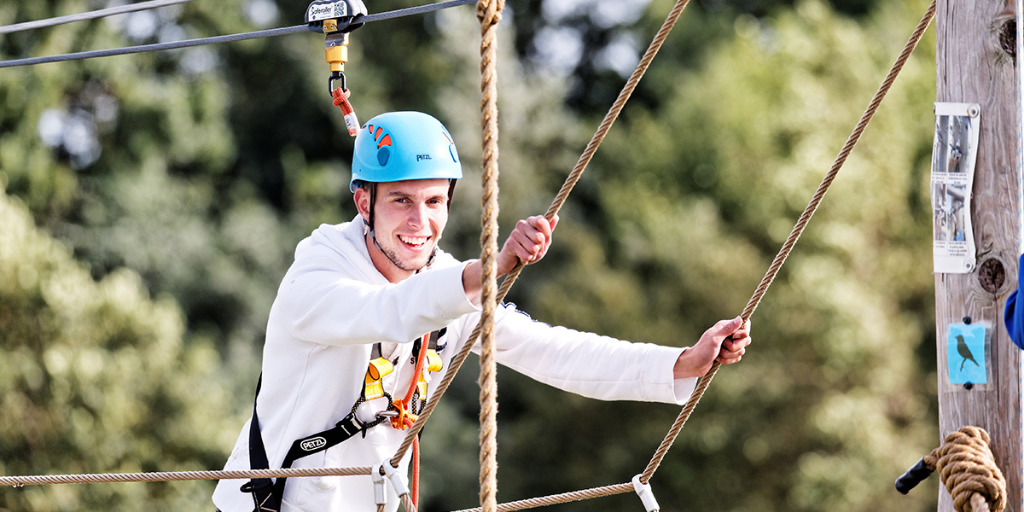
(350, 329)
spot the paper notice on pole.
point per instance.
(953, 157)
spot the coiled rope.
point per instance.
(968, 470)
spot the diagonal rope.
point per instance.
(555, 499)
(563, 194)
(91, 15)
(794, 235)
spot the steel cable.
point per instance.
(174, 45)
(91, 15)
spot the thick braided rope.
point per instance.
(556, 499)
(794, 235)
(969, 472)
(489, 14)
(556, 205)
(18, 481)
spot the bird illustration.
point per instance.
(965, 352)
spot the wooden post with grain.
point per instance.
(975, 64)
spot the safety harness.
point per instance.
(401, 414)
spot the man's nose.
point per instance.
(419, 214)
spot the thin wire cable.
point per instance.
(32, 61)
(794, 235)
(173, 45)
(91, 15)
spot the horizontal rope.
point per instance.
(174, 45)
(18, 481)
(555, 499)
(91, 15)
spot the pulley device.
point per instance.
(336, 19)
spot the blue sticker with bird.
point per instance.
(966, 354)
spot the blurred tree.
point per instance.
(95, 378)
(596, 43)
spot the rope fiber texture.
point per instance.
(18, 481)
(489, 14)
(968, 470)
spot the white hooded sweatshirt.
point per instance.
(333, 306)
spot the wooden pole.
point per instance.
(976, 41)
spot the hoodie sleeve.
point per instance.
(320, 304)
(588, 364)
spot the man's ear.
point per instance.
(362, 200)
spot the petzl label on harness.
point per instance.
(313, 444)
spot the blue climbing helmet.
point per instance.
(399, 146)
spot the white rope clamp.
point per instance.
(396, 479)
(646, 494)
(380, 495)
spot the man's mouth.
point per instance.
(415, 241)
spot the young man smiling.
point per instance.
(372, 308)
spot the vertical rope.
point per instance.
(489, 14)
(794, 235)
(556, 205)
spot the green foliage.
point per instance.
(95, 378)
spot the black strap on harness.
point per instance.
(266, 494)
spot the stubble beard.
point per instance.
(392, 256)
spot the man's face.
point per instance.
(408, 219)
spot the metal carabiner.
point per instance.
(336, 75)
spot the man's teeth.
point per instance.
(413, 240)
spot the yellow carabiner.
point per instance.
(378, 369)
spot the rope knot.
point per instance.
(489, 12)
(968, 470)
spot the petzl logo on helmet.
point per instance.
(312, 444)
(383, 144)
